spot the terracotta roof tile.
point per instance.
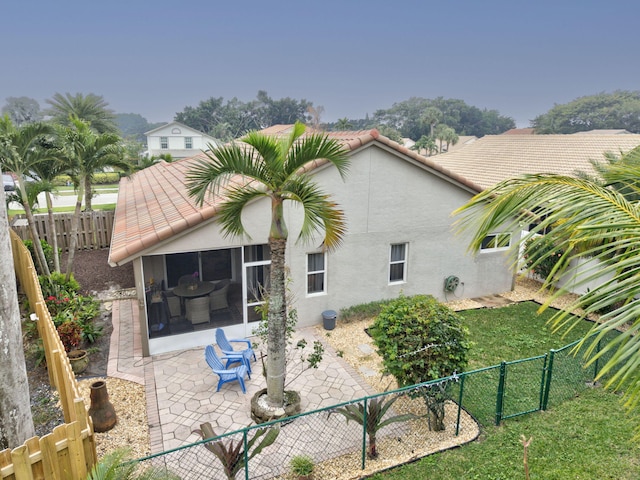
(153, 204)
(495, 158)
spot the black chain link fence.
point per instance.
(403, 424)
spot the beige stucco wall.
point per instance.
(386, 200)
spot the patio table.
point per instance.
(187, 291)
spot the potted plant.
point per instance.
(302, 467)
(70, 333)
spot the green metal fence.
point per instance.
(487, 396)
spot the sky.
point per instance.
(350, 57)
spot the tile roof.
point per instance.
(153, 204)
(494, 158)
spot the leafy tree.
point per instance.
(16, 423)
(20, 152)
(85, 152)
(420, 339)
(274, 166)
(90, 108)
(134, 126)
(617, 110)
(589, 220)
(284, 111)
(414, 117)
(235, 118)
(22, 110)
(431, 116)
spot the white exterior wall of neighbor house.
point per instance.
(175, 135)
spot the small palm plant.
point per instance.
(230, 453)
(116, 466)
(376, 409)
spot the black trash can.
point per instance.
(329, 319)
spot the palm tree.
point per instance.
(431, 116)
(46, 172)
(16, 422)
(20, 152)
(274, 168)
(450, 137)
(84, 152)
(587, 219)
(90, 108)
(343, 124)
(427, 144)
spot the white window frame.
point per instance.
(491, 242)
(188, 143)
(398, 262)
(323, 271)
(164, 143)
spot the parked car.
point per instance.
(9, 183)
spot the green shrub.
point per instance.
(56, 285)
(301, 465)
(105, 178)
(46, 248)
(420, 339)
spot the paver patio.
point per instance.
(181, 388)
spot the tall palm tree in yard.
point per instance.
(583, 218)
(16, 422)
(84, 152)
(273, 168)
(91, 108)
(21, 151)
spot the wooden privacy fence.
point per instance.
(94, 230)
(69, 452)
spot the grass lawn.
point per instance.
(71, 209)
(587, 437)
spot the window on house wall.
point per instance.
(398, 263)
(496, 241)
(316, 273)
(188, 143)
(164, 143)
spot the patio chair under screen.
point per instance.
(225, 374)
(225, 346)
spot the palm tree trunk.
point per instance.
(37, 246)
(277, 318)
(54, 233)
(16, 422)
(75, 222)
(87, 193)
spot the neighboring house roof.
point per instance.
(520, 131)
(177, 124)
(153, 204)
(605, 132)
(494, 158)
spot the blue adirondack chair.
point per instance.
(226, 374)
(225, 346)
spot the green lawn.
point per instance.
(587, 437)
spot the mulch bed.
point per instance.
(95, 276)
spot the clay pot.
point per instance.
(79, 360)
(101, 411)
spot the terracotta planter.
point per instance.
(79, 360)
(101, 411)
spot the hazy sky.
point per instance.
(351, 57)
